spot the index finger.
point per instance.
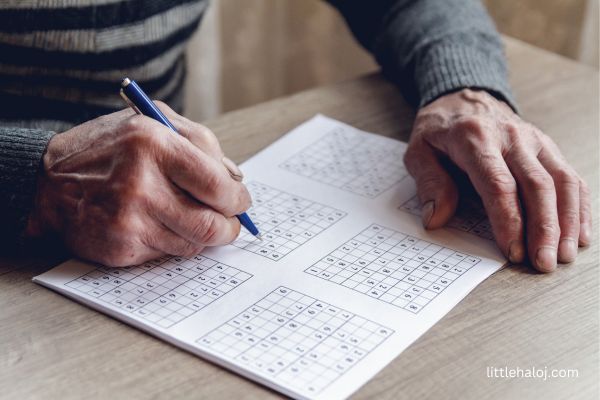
(539, 194)
(198, 134)
(495, 184)
(203, 177)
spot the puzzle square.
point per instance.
(307, 344)
(286, 221)
(165, 291)
(406, 272)
(354, 161)
(470, 217)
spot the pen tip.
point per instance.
(259, 237)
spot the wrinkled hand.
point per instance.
(123, 189)
(537, 204)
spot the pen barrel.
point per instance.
(146, 106)
(247, 223)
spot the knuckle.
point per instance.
(473, 125)
(501, 183)
(206, 135)
(514, 145)
(569, 218)
(205, 228)
(566, 177)
(138, 135)
(205, 131)
(547, 230)
(134, 123)
(539, 181)
(237, 201)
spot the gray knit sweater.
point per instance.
(61, 62)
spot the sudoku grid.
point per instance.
(393, 267)
(470, 217)
(164, 291)
(296, 340)
(358, 162)
(286, 221)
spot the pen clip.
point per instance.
(129, 102)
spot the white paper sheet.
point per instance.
(345, 280)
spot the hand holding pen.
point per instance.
(141, 104)
(122, 189)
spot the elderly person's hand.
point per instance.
(537, 204)
(123, 188)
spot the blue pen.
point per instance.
(141, 104)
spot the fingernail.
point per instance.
(567, 250)
(427, 212)
(233, 169)
(585, 234)
(516, 251)
(545, 259)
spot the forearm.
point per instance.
(21, 153)
(431, 47)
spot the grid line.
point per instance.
(354, 161)
(296, 340)
(393, 267)
(286, 221)
(164, 291)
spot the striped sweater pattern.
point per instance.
(61, 60)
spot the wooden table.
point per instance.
(52, 347)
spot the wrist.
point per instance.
(43, 217)
(474, 95)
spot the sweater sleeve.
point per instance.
(21, 153)
(431, 47)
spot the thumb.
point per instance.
(435, 187)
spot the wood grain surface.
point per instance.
(52, 347)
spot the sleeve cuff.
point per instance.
(21, 152)
(449, 67)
